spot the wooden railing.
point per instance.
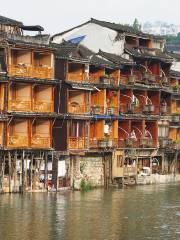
(129, 171)
(42, 106)
(30, 71)
(17, 141)
(124, 79)
(137, 143)
(103, 143)
(98, 109)
(1, 104)
(76, 77)
(130, 108)
(76, 143)
(112, 111)
(19, 105)
(77, 108)
(1, 140)
(94, 79)
(37, 141)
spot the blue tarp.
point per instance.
(107, 117)
(77, 40)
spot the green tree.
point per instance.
(136, 25)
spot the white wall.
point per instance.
(97, 37)
(176, 66)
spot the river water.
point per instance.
(144, 212)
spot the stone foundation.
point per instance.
(89, 169)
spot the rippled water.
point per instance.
(147, 212)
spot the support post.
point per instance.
(45, 171)
(9, 162)
(22, 190)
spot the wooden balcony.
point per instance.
(19, 105)
(77, 108)
(17, 141)
(136, 143)
(103, 143)
(112, 111)
(129, 171)
(76, 77)
(43, 106)
(147, 143)
(124, 79)
(151, 109)
(1, 140)
(76, 143)
(130, 108)
(30, 71)
(97, 110)
(38, 141)
(109, 80)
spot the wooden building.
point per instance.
(27, 107)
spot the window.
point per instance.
(163, 131)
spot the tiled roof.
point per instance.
(120, 28)
(149, 53)
(116, 59)
(75, 52)
(9, 21)
(174, 73)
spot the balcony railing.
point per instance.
(103, 143)
(97, 109)
(112, 111)
(19, 105)
(151, 109)
(130, 108)
(124, 79)
(17, 141)
(109, 80)
(76, 77)
(1, 140)
(129, 171)
(93, 78)
(76, 143)
(30, 71)
(38, 141)
(39, 106)
(136, 143)
(77, 108)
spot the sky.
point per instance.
(59, 15)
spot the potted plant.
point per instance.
(105, 79)
(96, 109)
(129, 142)
(145, 76)
(131, 79)
(102, 143)
(109, 142)
(152, 78)
(110, 110)
(144, 141)
(151, 108)
(164, 80)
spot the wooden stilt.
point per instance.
(10, 172)
(31, 175)
(22, 191)
(45, 172)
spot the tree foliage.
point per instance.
(173, 39)
(136, 25)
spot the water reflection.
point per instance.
(150, 212)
